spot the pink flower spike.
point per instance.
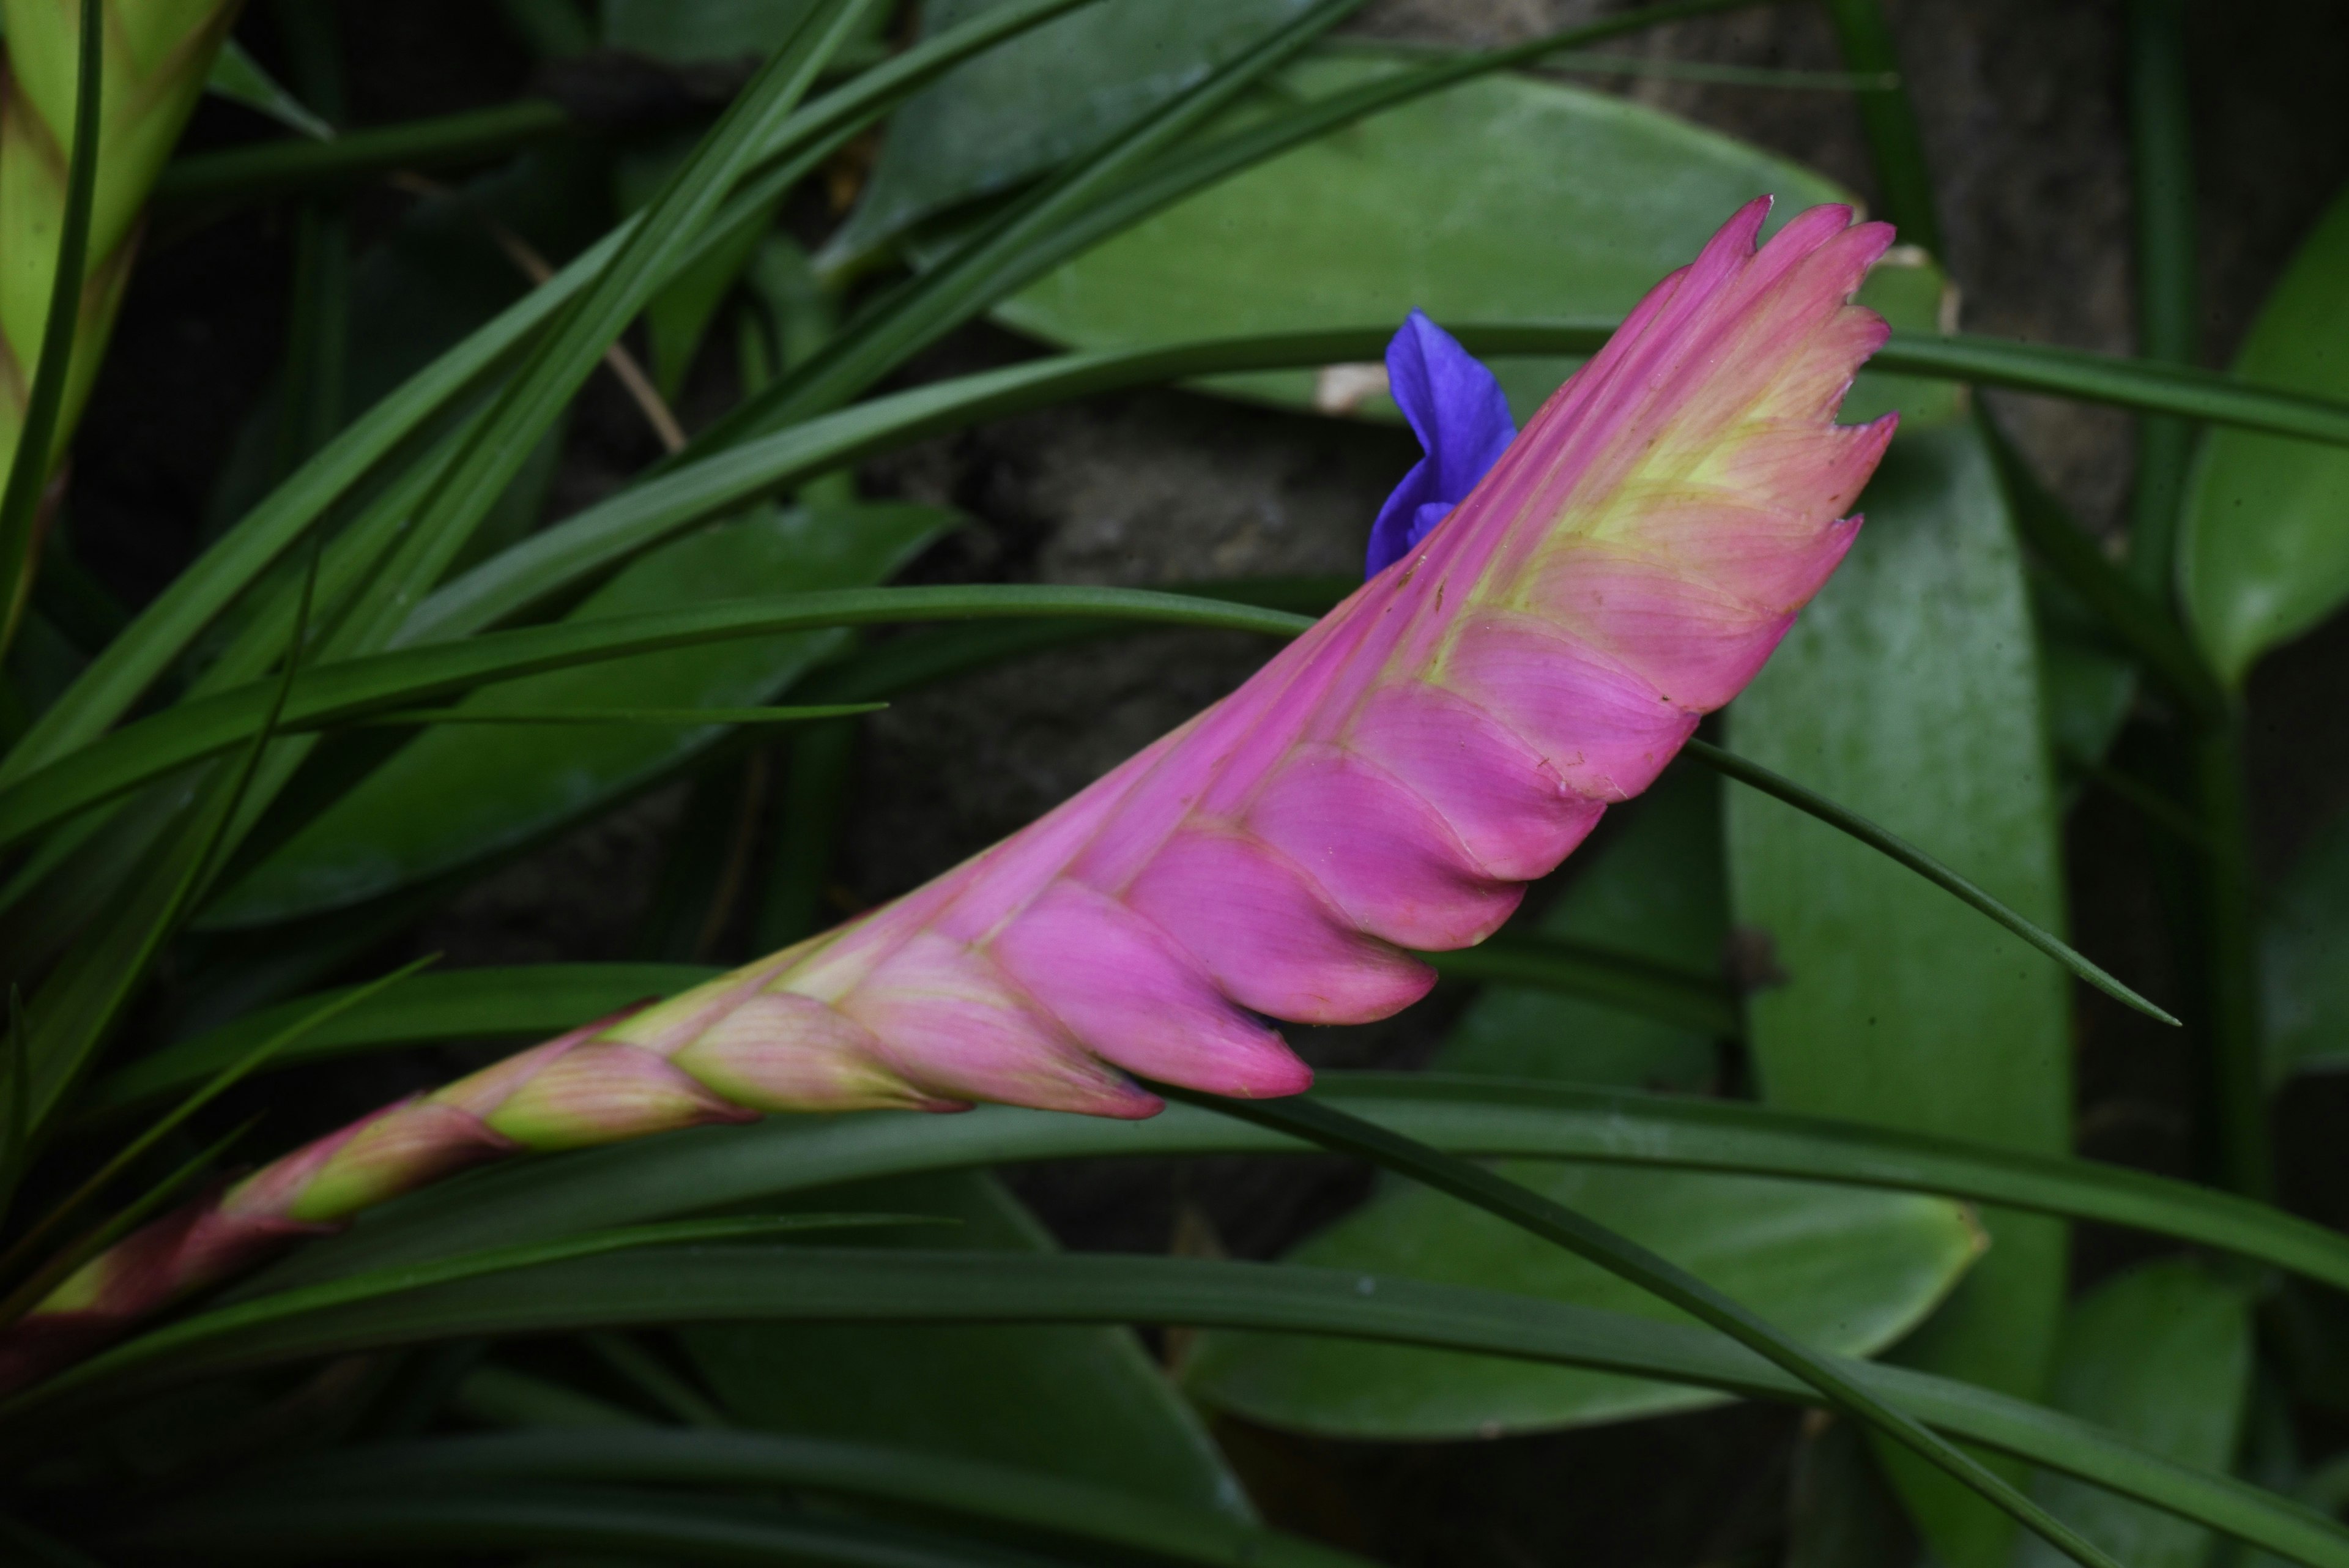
(1393, 777)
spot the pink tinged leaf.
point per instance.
(1697, 645)
(1268, 935)
(391, 1152)
(1132, 993)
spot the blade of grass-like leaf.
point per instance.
(98, 973)
(360, 687)
(34, 1287)
(603, 536)
(499, 1260)
(1531, 1211)
(682, 1284)
(168, 626)
(411, 717)
(29, 471)
(268, 169)
(1008, 249)
(575, 342)
(219, 1083)
(567, 1523)
(486, 1004)
(1733, 766)
(1467, 1115)
(1048, 1505)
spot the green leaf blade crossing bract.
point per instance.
(1389, 780)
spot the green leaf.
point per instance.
(2162, 1355)
(456, 794)
(357, 688)
(1081, 1403)
(488, 1003)
(2266, 555)
(238, 77)
(1909, 691)
(2306, 984)
(817, 1285)
(177, 616)
(1502, 1118)
(1439, 203)
(1594, 1241)
(1837, 1268)
(1027, 1499)
(1056, 94)
(491, 453)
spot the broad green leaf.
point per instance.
(2162, 1355)
(459, 793)
(1838, 1269)
(2265, 555)
(1909, 691)
(805, 1284)
(1083, 1403)
(1501, 198)
(1062, 91)
(2087, 686)
(2306, 977)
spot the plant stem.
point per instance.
(2162, 163)
(2235, 1041)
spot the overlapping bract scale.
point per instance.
(1391, 779)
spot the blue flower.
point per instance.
(1456, 410)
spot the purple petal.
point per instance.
(1457, 411)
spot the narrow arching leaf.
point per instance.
(1077, 1401)
(455, 796)
(1507, 1118)
(993, 1490)
(167, 628)
(360, 687)
(810, 1284)
(1596, 1242)
(1844, 1270)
